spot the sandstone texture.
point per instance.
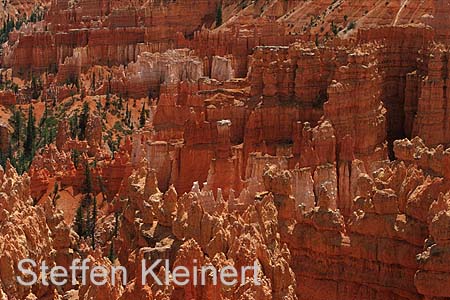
(310, 137)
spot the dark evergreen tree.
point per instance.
(112, 253)
(17, 123)
(87, 185)
(43, 130)
(73, 124)
(8, 26)
(219, 16)
(116, 224)
(55, 195)
(30, 135)
(115, 233)
(93, 83)
(142, 117)
(79, 221)
(93, 222)
(109, 90)
(98, 105)
(75, 157)
(90, 201)
(127, 116)
(3, 159)
(36, 87)
(107, 102)
(82, 124)
(45, 115)
(120, 103)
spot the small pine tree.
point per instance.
(79, 221)
(88, 201)
(351, 25)
(142, 117)
(73, 124)
(102, 186)
(150, 94)
(108, 101)
(35, 87)
(98, 105)
(116, 224)
(93, 83)
(127, 116)
(44, 116)
(219, 16)
(120, 103)
(55, 196)
(109, 84)
(93, 222)
(75, 157)
(87, 185)
(2, 159)
(112, 254)
(44, 130)
(334, 28)
(82, 123)
(30, 135)
(17, 123)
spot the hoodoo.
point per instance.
(226, 150)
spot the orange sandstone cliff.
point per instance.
(310, 137)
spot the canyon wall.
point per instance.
(308, 136)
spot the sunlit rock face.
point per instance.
(308, 138)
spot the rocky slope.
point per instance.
(309, 136)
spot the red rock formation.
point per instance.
(439, 21)
(265, 139)
(358, 81)
(222, 68)
(31, 53)
(401, 46)
(298, 73)
(106, 291)
(327, 19)
(7, 98)
(38, 233)
(195, 157)
(62, 134)
(431, 121)
(433, 160)
(225, 166)
(238, 41)
(432, 277)
(377, 219)
(114, 172)
(210, 231)
(94, 135)
(151, 70)
(164, 21)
